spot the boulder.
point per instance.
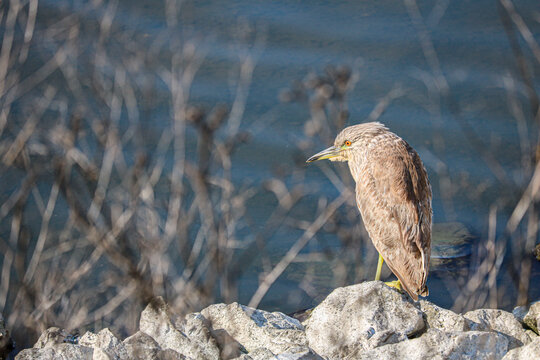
(300, 353)
(141, 346)
(51, 337)
(255, 329)
(170, 354)
(364, 321)
(442, 319)
(197, 329)
(228, 346)
(500, 321)
(58, 352)
(528, 352)
(54, 344)
(437, 344)
(529, 315)
(357, 318)
(104, 343)
(258, 354)
(157, 321)
(531, 334)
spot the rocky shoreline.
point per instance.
(364, 321)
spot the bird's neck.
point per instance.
(356, 166)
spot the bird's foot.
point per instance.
(395, 284)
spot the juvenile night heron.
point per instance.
(393, 195)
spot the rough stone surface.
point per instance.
(528, 352)
(258, 354)
(156, 321)
(442, 319)
(197, 329)
(255, 329)
(361, 317)
(529, 316)
(170, 354)
(500, 321)
(519, 312)
(51, 337)
(531, 334)
(228, 346)
(104, 342)
(51, 345)
(141, 346)
(436, 344)
(299, 353)
(57, 352)
(33, 353)
(54, 344)
(365, 321)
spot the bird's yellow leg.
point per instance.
(395, 284)
(379, 268)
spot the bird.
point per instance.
(393, 194)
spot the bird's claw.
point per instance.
(395, 284)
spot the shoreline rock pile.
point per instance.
(364, 321)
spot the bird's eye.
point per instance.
(347, 143)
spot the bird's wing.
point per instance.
(399, 188)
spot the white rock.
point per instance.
(361, 317)
(196, 328)
(100, 354)
(141, 346)
(244, 357)
(51, 345)
(442, 319)
(500, 321)
(258, 354)
(109, 346)
(529, 315)
(57, 352)
(528, 352)
(519, 312)
(364, 321)
(101, 346)
(531, 334)
(51, 337)
(256, 329)
(532, 318)
(34, 353)
(228, 346)
(436, 344)
(170, 354)
(299, 353)
(156, 321)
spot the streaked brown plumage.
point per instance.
(393, 195)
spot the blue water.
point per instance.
(378, 38)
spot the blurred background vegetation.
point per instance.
(158, 148)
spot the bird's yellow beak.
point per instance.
(329, 153)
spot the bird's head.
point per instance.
(350, 140)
